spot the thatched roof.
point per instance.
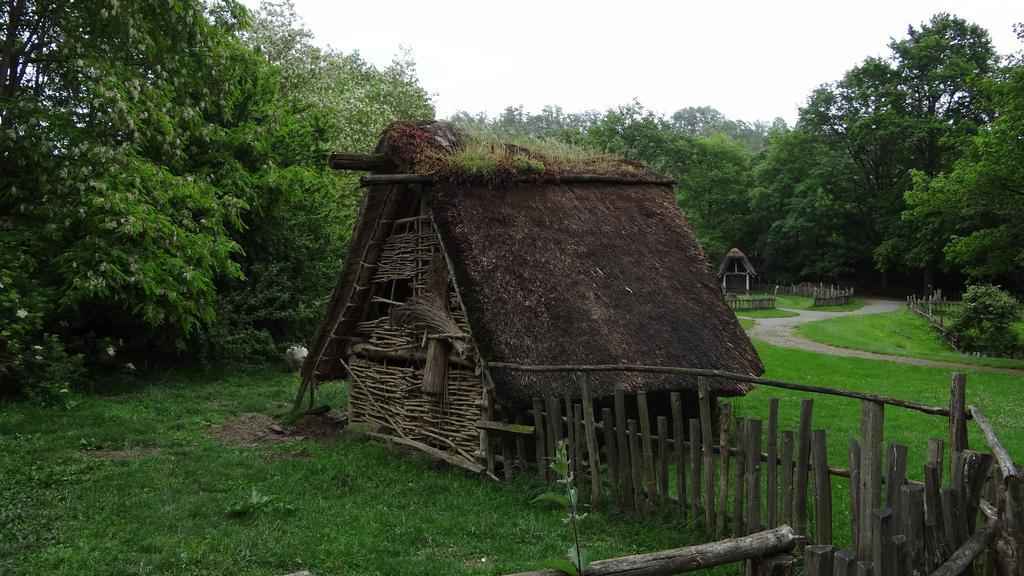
(736, 255)
(571, 273)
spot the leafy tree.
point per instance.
(884, 120)
(981, 199)
(985, 321)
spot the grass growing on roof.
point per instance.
(491, 155)
(900, 333)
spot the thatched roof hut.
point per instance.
(528, 262)
(735, 272)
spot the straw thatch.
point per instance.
(735, 255)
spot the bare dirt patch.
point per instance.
(126, 454)
(254, 430)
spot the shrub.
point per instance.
(33, 362)
(985, 322)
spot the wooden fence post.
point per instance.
(753, 476)
(538, 431)
(725, 426)
(624, 447)
(803, 458)
(678, 435)
(611, 445)
(773, 489)
(870, 488)
(818, 560)
(593, 453)
(853, 455)
(957, 414)
(704, 396)
(648, 448)
(822, 490)
(787, 477)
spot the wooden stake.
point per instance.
(610, 442)
(593, 452)
(695, 466)
(725, 427)
(802, 465)
(625, 451)
(773, 489)
(870, 488)
(539, 432)
(704, 395)
(753, 477)
(678, 438)
(663, 460)
(957, 414)
(822, 490)
(787, 477)
(645, 432)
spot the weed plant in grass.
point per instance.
(174, 501)
(900, 333)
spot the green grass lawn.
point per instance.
(746, 323)
(805, 303)
(900, 333)
(355, 506)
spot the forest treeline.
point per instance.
(165, 197)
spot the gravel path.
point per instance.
(779, 331)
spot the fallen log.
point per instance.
(700, 557)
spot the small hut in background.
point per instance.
(532, 261)
(736, 273)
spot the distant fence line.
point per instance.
(822, 294)
(740, 303)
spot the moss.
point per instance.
(474, 165)
(527, 165)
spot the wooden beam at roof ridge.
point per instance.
(367, 162)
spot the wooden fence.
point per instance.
(827, 296)
(741, 476)
(764, 302)
(805, 289)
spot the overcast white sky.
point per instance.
(750, 60)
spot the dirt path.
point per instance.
(779, 331)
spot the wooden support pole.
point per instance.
(704, 397)
(625, 451)
(593, 452)
(870, 488)
(678, 433)
(772, 473)
(865, 568)
(803, 458)
(645, 432)
(822, 489)
(367, 162)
